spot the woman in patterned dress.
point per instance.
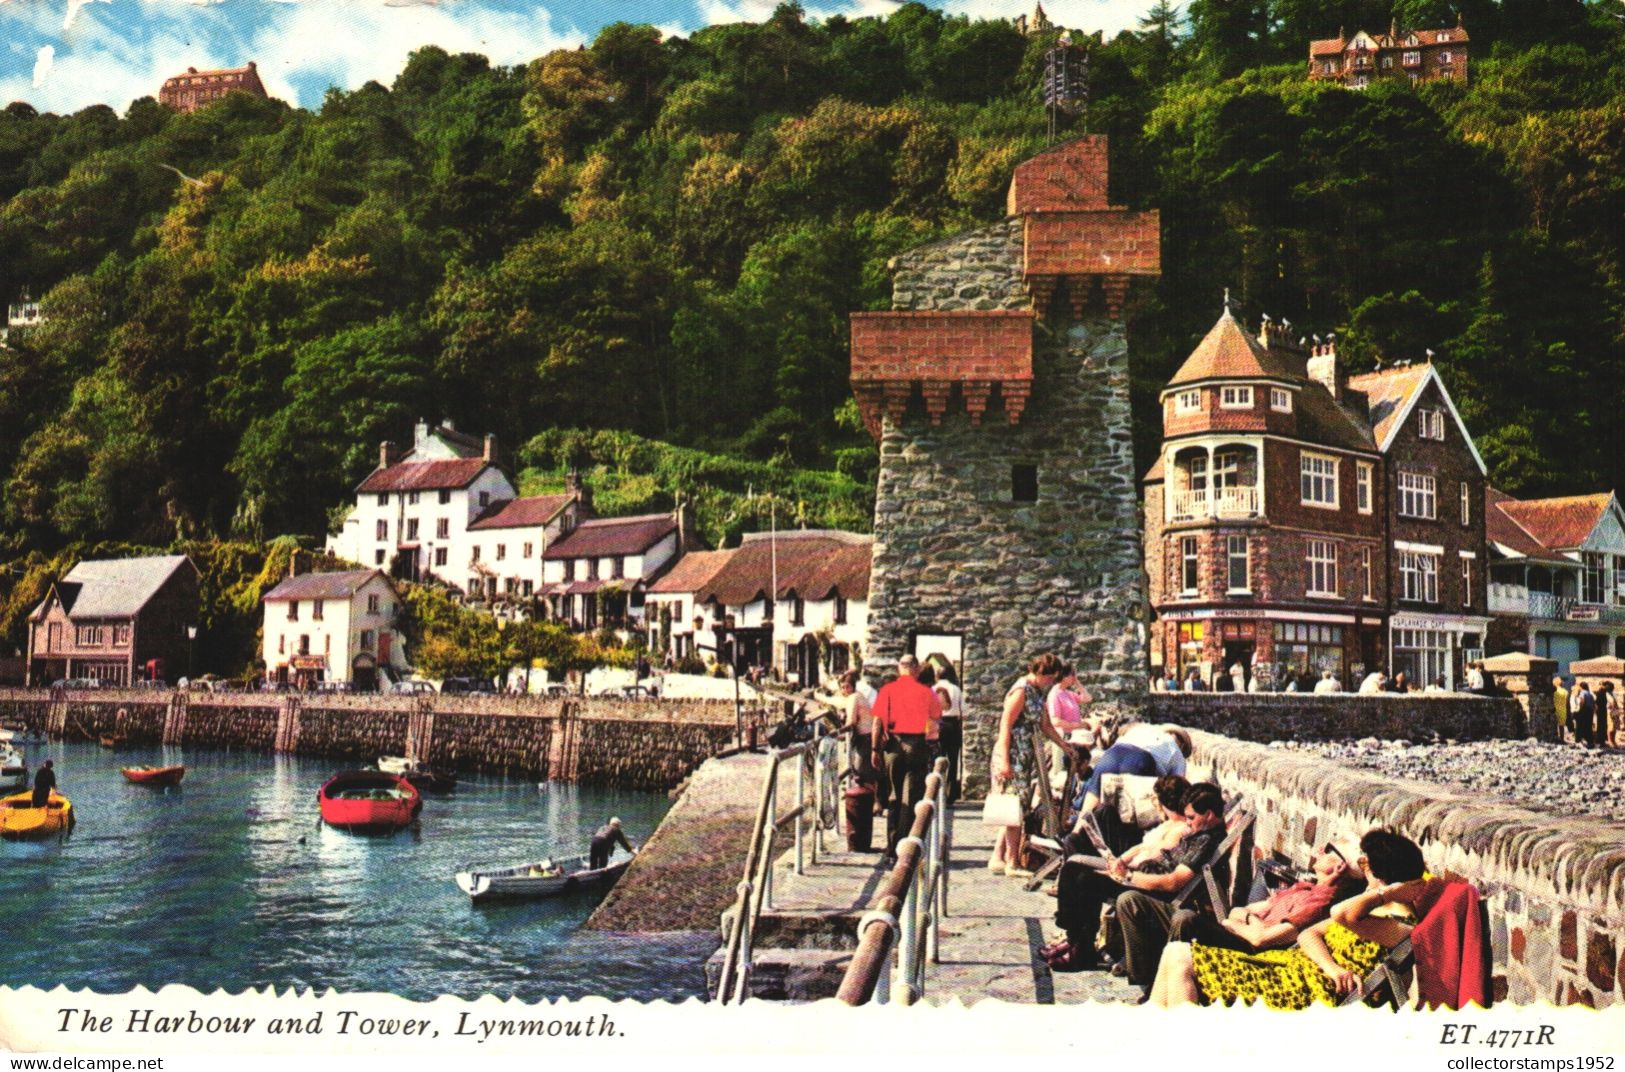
(1013, 753)
(1330, 959)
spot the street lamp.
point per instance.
(191, 650)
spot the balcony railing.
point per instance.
(1225, 502)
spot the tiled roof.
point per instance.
(341, 585)
(692, 572)
(463, 443)
(1229, 351)
(810, 563)
(425, 476)
(1560, 524)
(606, 536)
(116, 587)
(1321, 419)
(1388, 394)
(1153, 474)
(529, 512)
(1331, 46)
(1502, 530)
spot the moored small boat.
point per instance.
(368, 802)
(111, 742)
(543, 878)
(21, 821)
(427, 779)
(13, 768)
(160, 776)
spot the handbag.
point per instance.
(1002, 807)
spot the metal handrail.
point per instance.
(907, 911)
(755, 890)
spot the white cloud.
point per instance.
(74, 7)
(716, 12)
(1089, 15)
(43, 63)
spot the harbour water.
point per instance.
(231, 881)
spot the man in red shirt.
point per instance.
(905, 712)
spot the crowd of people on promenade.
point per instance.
(1302, 937)
(1242, 677)
(1589, 717)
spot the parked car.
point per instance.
(152, 683)
(276, 686)
(334, 686)
(76, 683)
(556, 689)
(454, 685)
(414, 688)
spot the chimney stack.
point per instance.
(387, 454)
(490, 448)
(1322, 366)
(420, 434)
(1277, 336)
(573, 485)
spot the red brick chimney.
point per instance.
(490, 448)
(388, 455)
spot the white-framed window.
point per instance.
(1411, 58)
(1418, 496)
(474, 553)
(1368, 590)
(1593, 568)
(1362, 486)
(1418, 577)
(1188, 402)
(1446, 58)
(293, 610)
(1430, 423)
(1387, 62)
(1466, 504)
(1189, 571)
(383, 498)
(1318, 480)
(1619, 580)
(1237, 575)
(530, 550)
(502, 551)
(1423, 654)
(367, 639)
(440, 556)
(1321, 561)
(382, 532)
(411, 528)
(1233, 396)
(372, 604)
(1280, 400)
(1466, 581)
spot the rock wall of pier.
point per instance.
(1288, 716)
(1554, 885)
(621, 743)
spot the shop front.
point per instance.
(1274, 646)
(1435, 648)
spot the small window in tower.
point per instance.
(1024, 483)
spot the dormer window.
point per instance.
(1444, 35)
(1280, 400)
(1188, 402)
(1430, 424)
(1236, 397)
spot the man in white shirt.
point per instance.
(1327, 684)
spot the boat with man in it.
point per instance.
(368, 802)
(13, 768)
(21, 821)
(542, 878)
(427, 779)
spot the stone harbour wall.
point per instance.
(623, 743)
(1285, 716)
(955, 554)
(1554, 885)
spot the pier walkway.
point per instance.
(989, 940)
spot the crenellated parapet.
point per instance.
(974, 351)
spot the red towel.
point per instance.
(1452, 956)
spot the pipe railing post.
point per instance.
(769, 831)
(818, 789)
(801, 802)
(902, 987)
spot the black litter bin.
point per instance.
(859, 801)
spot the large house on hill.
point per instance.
(193, 90)
(1299, 520)
(445, 509)
(1557, 576)
(117, 621)
(1412, 56)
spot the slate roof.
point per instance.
(691, 573)
(340, 585)
(811, 563)
(115, 587)
(529, 512)
(1389, 393)
(608, 536)
(425, 476)
(1560, 524)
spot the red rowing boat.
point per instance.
(171, 775)
(368, 802)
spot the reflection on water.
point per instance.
(230, 880)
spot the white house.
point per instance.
(797, 601)
(333, 627)
(445, 509)
(599, 573)
(674, 609)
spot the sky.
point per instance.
(64, 55)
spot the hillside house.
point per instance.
(333, 627)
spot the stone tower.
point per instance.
(1006, 510)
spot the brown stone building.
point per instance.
(1415, 56)
(1263, 526)
(1434, 519)
(193, 90)
(116, 620)
(1301, 520)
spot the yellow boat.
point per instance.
(21, 821)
